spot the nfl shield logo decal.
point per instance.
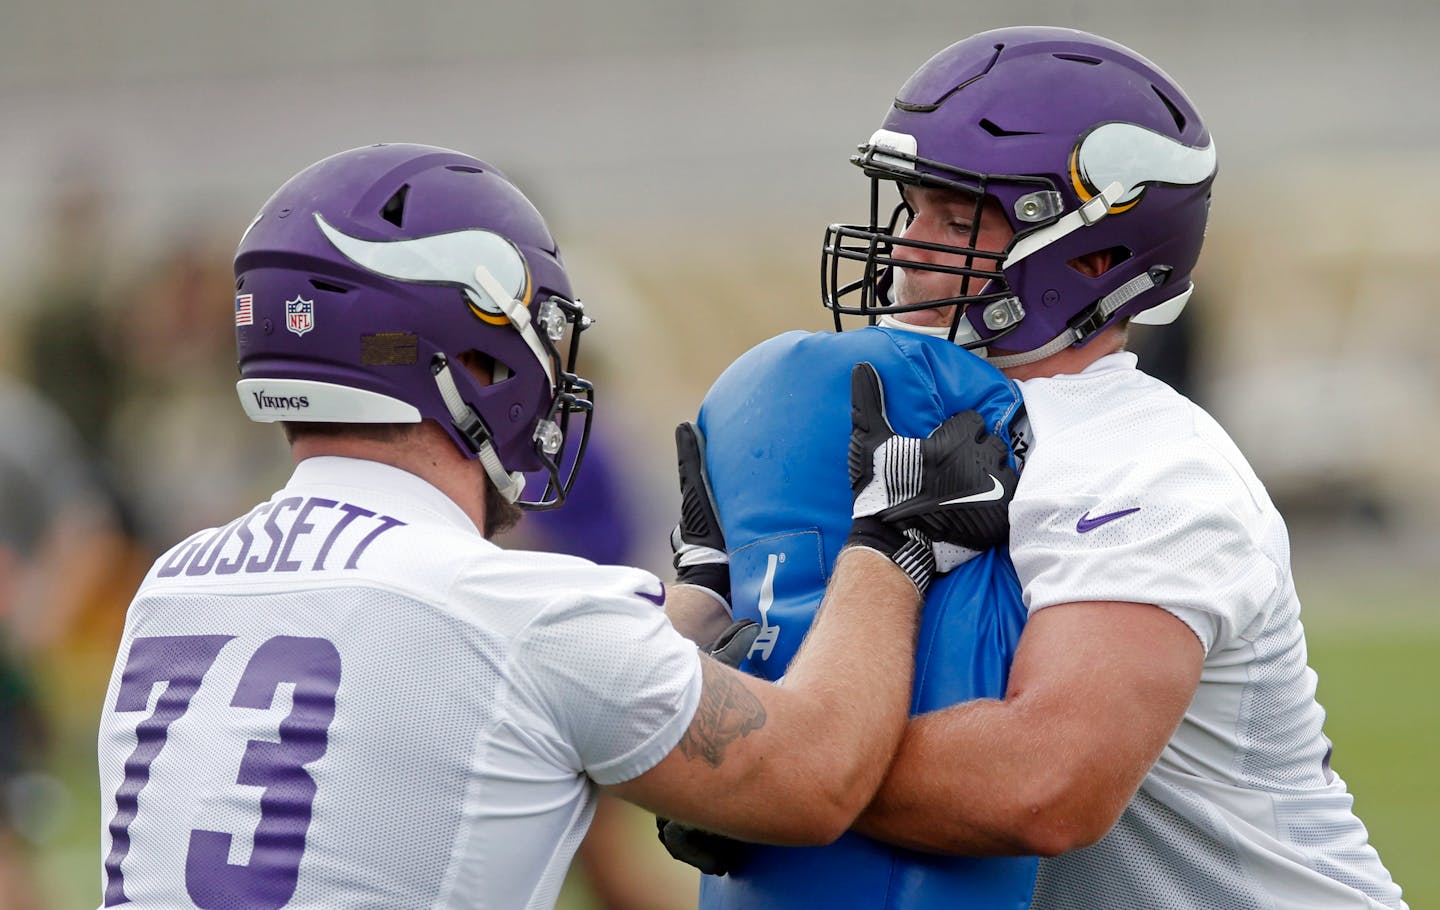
(299, 315)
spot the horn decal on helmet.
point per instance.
(1135, 157)
(448, 258)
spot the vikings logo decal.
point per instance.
(1134, 157)
(445, 259)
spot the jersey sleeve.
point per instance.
(1172, 527)
(609, 675)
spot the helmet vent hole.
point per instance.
(393, 210)
(460, 168)
(1079, 58)
(1170, 106)
(997, 130)
(319, 285)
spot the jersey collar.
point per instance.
(373, 477)
(1110, 363)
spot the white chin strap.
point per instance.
(1094, 209)
(519, 318)
(509, 484)
(1161, 314)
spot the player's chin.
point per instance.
(918, 289)
(935, 316)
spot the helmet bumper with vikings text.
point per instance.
(369, 275)
(1084, 145)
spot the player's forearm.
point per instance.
(696, 613)
(851, 681)
(796, 764)
(955, 786)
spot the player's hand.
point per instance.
(697, 540)
(712, 854)
(953, 487)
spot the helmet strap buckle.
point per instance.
(1089, 321)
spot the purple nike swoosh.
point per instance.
(656, 599)
(1086, 523)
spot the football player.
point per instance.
(786, 516)
(1159, 743)
(348, 697)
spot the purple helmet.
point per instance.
(1084, 144)
(365, 278)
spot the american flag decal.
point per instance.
(244, 309)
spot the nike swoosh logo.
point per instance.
(1086, 523)
(656, 599)
(990, 495)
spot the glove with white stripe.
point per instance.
(698, 541)
(952, 488)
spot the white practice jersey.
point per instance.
(347, 698)
(1132, 493)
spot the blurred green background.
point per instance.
(1375, 649)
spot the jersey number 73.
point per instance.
(267, 881)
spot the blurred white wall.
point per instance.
(633, 110)
(689, 153)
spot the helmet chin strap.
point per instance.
(1055, 346)
(509, 484)
(1090, 321)
(519, 316)
(1099, 314)
(1091, 211)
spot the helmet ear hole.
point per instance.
(486, 368)
(1097, 263)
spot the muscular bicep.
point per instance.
(1096, 690)
(1110, 682)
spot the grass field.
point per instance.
(1379, 684)
(1376, 648)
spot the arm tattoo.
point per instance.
(727, 711)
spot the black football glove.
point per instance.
(712, 854)
(698, 541)
(953, 488)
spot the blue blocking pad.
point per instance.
(780, 577)
(777, 428)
